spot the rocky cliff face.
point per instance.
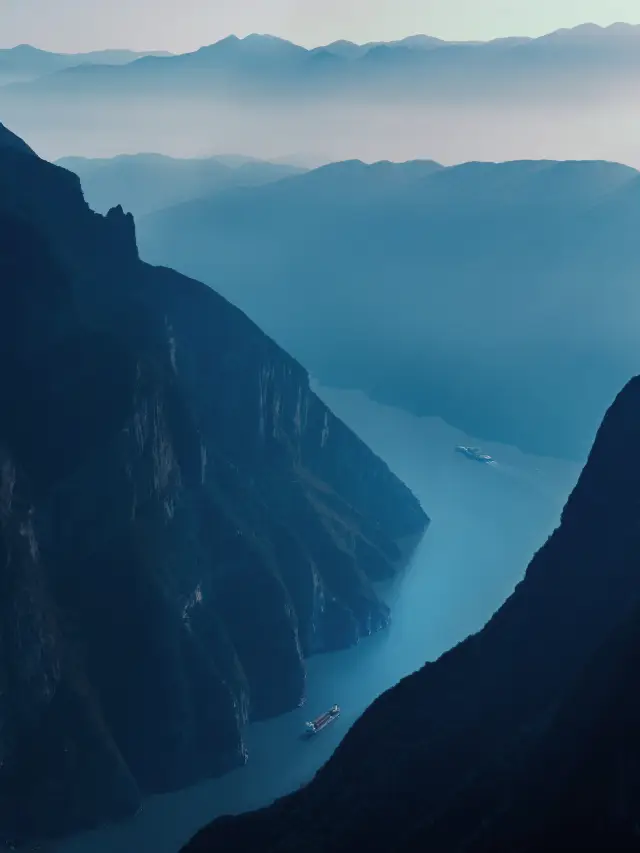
(500, 744)
(182, 521)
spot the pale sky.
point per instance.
(182, 25)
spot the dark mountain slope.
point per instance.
(433, 761)
(10, 140)
(581, 788)
(181, 520)
(483, 293)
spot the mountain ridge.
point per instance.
(380, 258)
(398, 101)
(183, 522)
(290, 56)
(143, 183)
(25, 62)
(588, 30)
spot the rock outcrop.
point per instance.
(524, 736)
(182, 521)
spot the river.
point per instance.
(487, 521)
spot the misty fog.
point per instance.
(473, 293)
(325, 130)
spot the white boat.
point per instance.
(474, 453)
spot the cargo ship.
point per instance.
(322, 721)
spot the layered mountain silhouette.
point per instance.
(182, 521)
(144, 183)
(420, 97)
(577, 48)
(499, 296)
(524, 737)
(24, 62)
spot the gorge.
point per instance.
(521, 737)
(182, 521)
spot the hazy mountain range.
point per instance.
(143, 183)
(582, 45)
(566, 95)
(25, 62)
(502, 297)
(182, 521)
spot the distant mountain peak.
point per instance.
(623, 25)
(256, 39)
(590, 31)
(587, 27)
(419, 40)
(343, 43)
(265, 37)
(26, 48)
(254, 44)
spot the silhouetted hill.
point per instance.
(144, 183)
(182, 521)
(9, 141)
(24, 62)
(524, 737)
(500, 297)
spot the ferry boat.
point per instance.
(322, 721)
(475, 453)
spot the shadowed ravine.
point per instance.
(486, 524)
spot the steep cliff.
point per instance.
(441, 760)
(182, 520)
(580, 790)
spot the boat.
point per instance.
(475, 453)
(321, 722)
